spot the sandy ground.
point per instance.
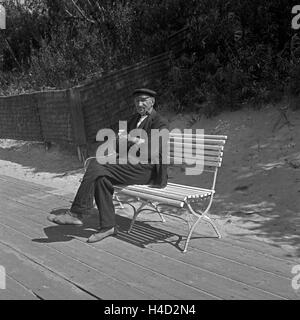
(258, 186)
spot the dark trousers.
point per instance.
(98, 182)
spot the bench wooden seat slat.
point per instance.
(154, 191)
(176, 185)
(171, 191)
(152, 197)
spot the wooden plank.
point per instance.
(32, 189)
(190, 275)
(15, 291)
(268, 258)
(69, 250)
(151, 282)
(269, 249)
(43, 283)
(279, 285)
(36, 203)
(253, 245)
(78, 273)
(16, 191)
(241, 253)
(166, 273)
(257, 246)
(216, 284)
(29, 185)
(21, 188)
(36, 200)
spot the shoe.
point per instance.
(51, 217)
(103, 233)
(68, 218)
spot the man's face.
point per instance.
(143, 104)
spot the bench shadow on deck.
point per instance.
(142, 233)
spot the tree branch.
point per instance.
(82, 13)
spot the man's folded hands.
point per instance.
(125, 136)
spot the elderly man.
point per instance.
(99, 179)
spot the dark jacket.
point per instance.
(153, 121)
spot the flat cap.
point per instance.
(146, 91)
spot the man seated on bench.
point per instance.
(99, 179)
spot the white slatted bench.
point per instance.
(177, 195)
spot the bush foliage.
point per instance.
(235, 51)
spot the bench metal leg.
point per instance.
(119, 201)
(155, 206)
(200, 216)
(190, 234)
(142, 208)
(135, 214)
(209, 220)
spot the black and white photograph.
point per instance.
(149, 153)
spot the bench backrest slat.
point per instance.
(193, 145)
(198, 139)
(207, 136)
(174, 148)
(185, 147)
(191, 156)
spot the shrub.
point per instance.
(238, 52)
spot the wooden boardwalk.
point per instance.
(45, 261)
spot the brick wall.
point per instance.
(19, 117)
(76, 115)
(55, 116)
(41, 116)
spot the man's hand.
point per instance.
(122, 134)
(137, 140)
